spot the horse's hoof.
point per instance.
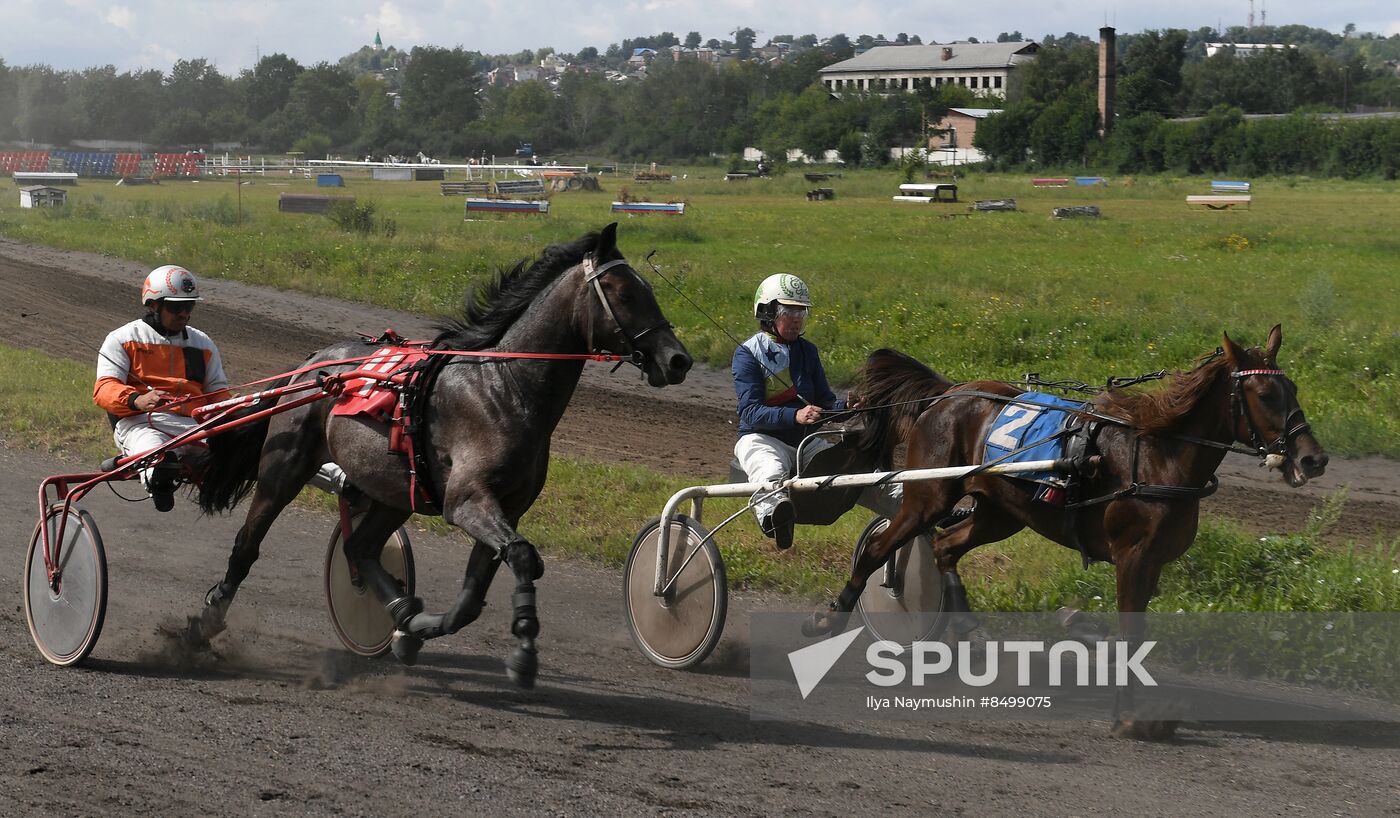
(405, 647)
(210, 622)
(964, 624)
(823, 623)
(1143, 729)
(522, 667)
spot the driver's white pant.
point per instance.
(765, 459)
(141, 433)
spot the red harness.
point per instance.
(387, 397)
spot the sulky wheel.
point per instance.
(679, 629)
(903, 605)
(357, 614)
(65, 618)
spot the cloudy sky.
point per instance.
(135, 34)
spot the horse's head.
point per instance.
(625, 317)
(1266, 414)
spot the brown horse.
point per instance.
(1142, 501)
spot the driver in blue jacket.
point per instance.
(782, 391)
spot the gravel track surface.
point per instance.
(283, 721)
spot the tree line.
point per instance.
(1179, 109)
(436, 100)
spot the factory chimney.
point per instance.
(1108, 78)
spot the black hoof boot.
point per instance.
(403, 609)
(523, 665)
(405, 647)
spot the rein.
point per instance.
(302, 370)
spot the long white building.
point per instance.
(983, 67)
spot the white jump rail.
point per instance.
(696, 494)
(1219, 201)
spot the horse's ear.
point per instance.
(1274, 342)
(607, 242)
(1234, 353)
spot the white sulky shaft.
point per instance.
(663, 543)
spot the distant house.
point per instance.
(957, 129)
(773, 52)
(1244, 49)
(951, 142)
(640, 57)
(983, 67)
(553, 64)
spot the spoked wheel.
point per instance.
(66, 620)
(903, 601)
(680, 628)
(357, 614)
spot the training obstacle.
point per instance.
(308, 202)
(646, 208)
(1218, 202)
(927, 193)
(538, 207)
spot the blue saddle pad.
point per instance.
(1032, 422)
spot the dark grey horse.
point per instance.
(488, 424)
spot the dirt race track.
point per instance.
(282, 721)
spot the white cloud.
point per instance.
(232, 35)
(393, 25)
(156, 55)
(119, 17)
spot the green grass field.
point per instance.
(1149, 286)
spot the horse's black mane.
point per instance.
(490, 308)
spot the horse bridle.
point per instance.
(1238, 410)
(592, 274)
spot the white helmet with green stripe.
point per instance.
(780, 288)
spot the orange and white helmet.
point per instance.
(170, 282)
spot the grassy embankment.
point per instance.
(1149, 286)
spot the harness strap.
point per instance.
(1147, 491)
(413, 404)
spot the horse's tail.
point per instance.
(896, 387)
(232, 468)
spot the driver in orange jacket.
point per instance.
(148, 366)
